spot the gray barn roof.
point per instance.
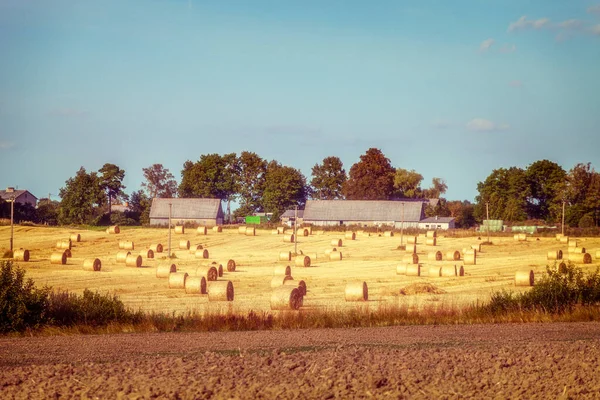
(292, 214)
(362, 210)
(7, 195)
(186, 208)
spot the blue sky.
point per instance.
(452, 89)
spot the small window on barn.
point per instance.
(426, 226)
(439, 226)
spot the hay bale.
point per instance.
(476, 247)
(220, 290)
(413, 270)
(576, 249)
(147, 253)
(75, 237)
(217, 228)
(203, 253)
(231, 265)
(195, 285)
(470, 258)
(453, 255)
(180, 229)
(559, 236)
(388, 234)
(431, 234)
(195, 248)
(219, 268)
(122, 256)
(282, 270)
(435, 256)
(522, 237)
(285, 256)
(329, 251)
(564, 239)
(580, 258)
(58, 257)
(302, 261)
(68, 253)
(431, 241)
(350, 235)
(410, 258)
(555, 255)
(63, 244)
(184, 244)
(274, 232)
(460, 270)
(448, 270)
(313, 256)
(401, 269)
(280, 230)
(157, 248)
(289, 238)
(133, 261)
(301, 285)
(242, 230)
(435, 272)
(356, 291)
(114, 230)
(177, 280)
(470, 251)
(207, 271)
(336, 242)
(572, 243)
(126, 245)
(92, 264)
(286, 298)
(597, 254)
(335, 256)
(278, 280)
(303, 232)
(411, 240)
(164, 270)
(202, 230)
(524, 278)
(561, 267)
(411, 248)
(21, 255)
(250, 231)
(516, 237)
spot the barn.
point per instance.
(433, 223)
(204, 212)
(19, 195)
(365, 213)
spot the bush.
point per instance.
(22, 306)
(587, 221)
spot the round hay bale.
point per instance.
(231, 265)
(179, 229)
(413, 270)
(280, 230)
(559, 236)
(313, 256)
(285, 256)
(122, 256)
(274, 232)
(114, 230)
(388, 234)
(410, 258)
(431, 241)
(133, 261)
(301, 285)
(75, 237)
(470, 251)
(524, 278)
(58, 257)
(411, 248)
(288, 238)
(448, 270)
(278, 280)
(219, 268)
(195, 248)
(242, 230)
(203, 253)
(516, 237)
(195, 285)
(126, 245)
(471, 258)
(202, 230)
(572, 243)
(302, 261)
(147, 253)
(157, 248)
(63, 244)
(401, 269)
(476, 247)
(217, 228)
(92, 264)
(250, 231)
(335, 256)
(453, 255)
(522, 237)
(207, 271)
(164, 270)
(336, 242)
(68, 253)
(435, 272)
(564, 239)
(435, 256)
(220, 290)
(597, 254)
(177, 280)
(282, 270)
(576, 249)
(561, 267)
(580, 258)
(329, 251)
(411, 240)
(431, 234)
(554, 255)
(286, 298)
(356, 291)
(184, 244)
(350, 235)
(21, 255)
(460, 271)
(302, 232)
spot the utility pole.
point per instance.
(487, 215)
(169, 245)
(402, 226)
(563, 220)
(12, 212)
(296, 230)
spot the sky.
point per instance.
(451, 89)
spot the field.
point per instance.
(372, 259)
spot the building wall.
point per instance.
(210, 222)
(394, 224)
(436, 225)
(26, 198)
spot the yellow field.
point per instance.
(369, 258)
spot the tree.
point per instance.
(462, 211)
(408, 183)
(159, 182)
(139, 207)
(213, 176)
(285, 187)
(438, 188)
(583, 194)
(111, 181)
(47, 212)
(372, 178)
(81, 199)
(251, 181)
(441, 209)
(328, 178)
(506, 191)
(546, 181)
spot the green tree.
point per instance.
(372, 178)
(251, 181)
(111, 181)
(328, 178)
(159, 182)
(462, 211)
(506, 191)
(408, 183)
(441, 209)
(546, 181)
(438, 188)
(47, 212)
(582, 194)
(139, 206)
(81, 199)
(285, 187)
(213, 176)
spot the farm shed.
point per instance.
(288, 217)
(364, 213)
(433, 223)
(21, 196)
(207, 212)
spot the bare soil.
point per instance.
(446, 362)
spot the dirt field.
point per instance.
(527, 361)
(372, 259)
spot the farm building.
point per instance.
(288, 216)
(396, 214)
(20, 196)
(207, 212)
(433, 223)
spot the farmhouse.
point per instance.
(397, 214)
(20, 196)
(288, 217)
(432, 223)
(207, 212)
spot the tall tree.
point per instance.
(582, 194)
(462, 211)
(251, 182)
(328, 178)
(506, 191)
(438, 188)
(111, 181)
(546, 181)
(285, 187)
(81, 198)
(408, 183)
(372, 178)
(159, 182)
(139, 206)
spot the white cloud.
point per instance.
(486, 44)
(484, 125)
(570, 24)
(594, 9)
(516, 83)
(523, 23)
(4, 145)
(508, 48)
